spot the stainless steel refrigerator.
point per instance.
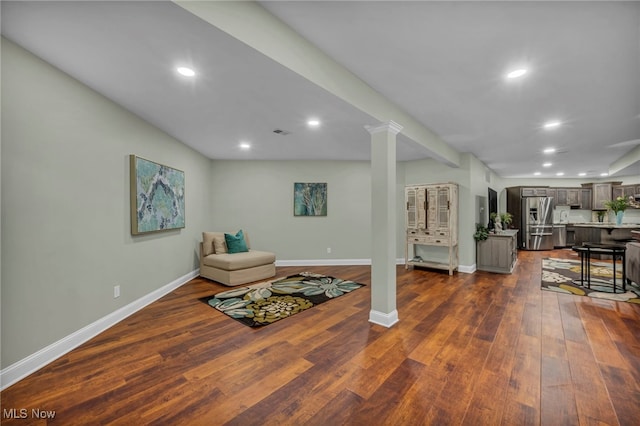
(537, 223)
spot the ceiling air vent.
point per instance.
(281, 132)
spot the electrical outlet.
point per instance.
(116, 291)
(328, 249)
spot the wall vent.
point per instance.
(281, 132)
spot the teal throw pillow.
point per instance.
(236, 243)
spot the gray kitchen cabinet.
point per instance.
(498, 253)
(567, 196)
(533, 192)
(586, 234)
(616, 192)
(573, 196)
(602, 192)
(528, 192)
(561, 197)
(623, 191)
(571, 235)
(586, 200)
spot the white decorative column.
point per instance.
(383, 223)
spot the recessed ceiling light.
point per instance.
(536, 174)
(517, 73)
(547, 165)
(582, 174)
(552, 124)
(187, 72)
(549, 150)
(604, 174)
(245, 146)
(313, 123)
(560, 174)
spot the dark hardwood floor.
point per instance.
(473, 349)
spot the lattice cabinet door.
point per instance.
(432, 209)
(411, 215)
(416, 207)
(443, 208)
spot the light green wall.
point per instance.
(261, 193)
(65, 206)
(482, 178)
(258, 196)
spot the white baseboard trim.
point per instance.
(21, 369)
(385, 320)
(467, 269)
(329, 262)
(323, 262)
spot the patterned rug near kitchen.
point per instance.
(563, 276)
(270, 301)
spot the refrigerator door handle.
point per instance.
(538, 223)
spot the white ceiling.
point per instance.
(442, 62)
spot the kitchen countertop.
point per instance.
(505, 233)
(606, 225)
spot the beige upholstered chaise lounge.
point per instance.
(233, 268)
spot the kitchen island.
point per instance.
(498, 253)
(603, 232)
(607, 225)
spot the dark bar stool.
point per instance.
(616, 251)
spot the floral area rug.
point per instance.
(563, 275)
(270, 301)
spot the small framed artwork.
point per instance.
(309, 199)
(157, 196)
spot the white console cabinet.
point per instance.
(432, 220)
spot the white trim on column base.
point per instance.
(467, 269)
(385, 320)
